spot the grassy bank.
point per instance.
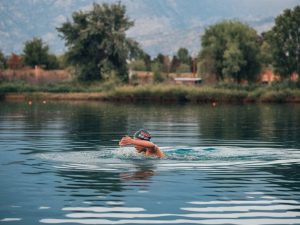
(175, 93)
(284, 92)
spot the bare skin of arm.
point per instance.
(147, 147)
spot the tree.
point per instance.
(147, 60)
(163, 61)
(157, 72)
(52, 62)
(175, 63)
(97, 42)
(35, 52)
(183, 56)
(183, 68)
(233, 61)
(185, 61)
(160, 58)
(14, 62)
(138, 65)
(266, 54)
(2, 61)
(284, 39)
(231, 49)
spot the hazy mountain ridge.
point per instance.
(161, 26)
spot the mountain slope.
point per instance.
(161, 26)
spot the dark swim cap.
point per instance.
(143, 135)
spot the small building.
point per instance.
(294, 77)
(268, 76)
(141, 77)
(188, 80)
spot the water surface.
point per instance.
(60, 163)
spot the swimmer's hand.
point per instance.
(125, 141)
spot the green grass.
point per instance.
(277, 92)
(178, 93)
(63, 87)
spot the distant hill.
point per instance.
(161, 26)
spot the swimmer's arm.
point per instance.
(146, 144)
(155, 151)
(130, 141)
(159, 153)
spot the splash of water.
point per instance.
(181, 157)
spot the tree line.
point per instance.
(98, 47)
(35, 52)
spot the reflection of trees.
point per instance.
(33, 118)
(92, 124)
(168, 124)
(229, 122)
(30, 124)
(95, 124)
(287, 124)
(251, 122)
(280, 124)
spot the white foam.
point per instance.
(242, 208)
(10, 219)
(177, 221)
(245, 202)
(223, 157)
(192, 215)
(105, 209)
(44, 207)
(254, 192)
(115, 215)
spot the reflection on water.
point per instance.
(234, 164)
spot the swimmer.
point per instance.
(142, 144)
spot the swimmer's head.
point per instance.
(142, 135)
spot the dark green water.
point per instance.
(232, 164)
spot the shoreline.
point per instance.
(126, 98)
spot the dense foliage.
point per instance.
(230, 49)
(35, 52)
(284, 39)
(97, 42)
(183, 56)
(2, 60)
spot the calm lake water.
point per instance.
(60, 163)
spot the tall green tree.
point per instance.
(35, 52)
(2, 60)
(97, 42)
(266, 54)
(175, 63)
(230, 49)
(284, 39)
(147, 60)
(160, 58)
(183, 56)
(185, 61)
(160, 63)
